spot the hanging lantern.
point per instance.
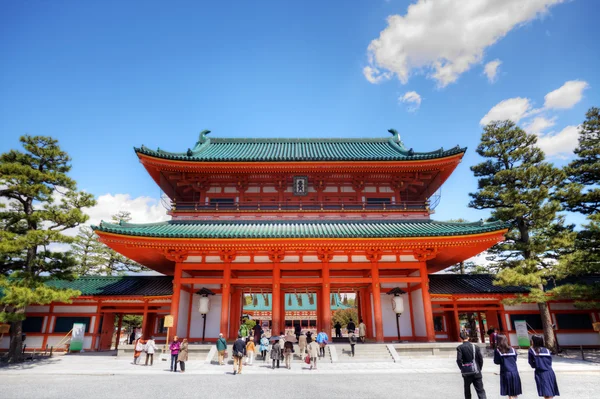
(266, 298)
(398, 304)
(204, 305)
(299, 299)
(254, 300)
(345, 301)
(289, 300)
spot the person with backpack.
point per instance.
(322, 340)
(288, 352)
(150, 350)
(174, 348)
(540, 359)
(221, 349)
(470, 363)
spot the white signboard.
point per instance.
(522, 334)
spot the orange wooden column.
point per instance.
(175, 298)
(368, 312)
(427, 310)
(276, 300)
(282, 311)
(326, 300)
(145, 332)
(225, 294)
(235, 312)
(377, 302)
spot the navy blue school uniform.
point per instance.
(510, 382)
(545, 379)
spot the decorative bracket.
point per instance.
(358, 183)
(325, 254)
(241, 183)
(423, 255)
(176, 255)
(374, 254)
(227, 255)
(276, 254)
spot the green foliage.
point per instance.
(343, 316)
(130, 321)
(43, 202)
(95, 258)
(519, 186)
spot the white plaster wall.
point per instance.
(5, 342)
(418, 313)
(389, 318)
(34, 342)
(441, 336)
(182, 316)
(591, 338)
(75, 309)
(93, 326)
(37, 309)
(562, 306)
(213, 318)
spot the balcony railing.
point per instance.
(301, 206)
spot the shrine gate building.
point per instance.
(301, 216)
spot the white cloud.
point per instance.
(142, 209)
(445, 37)
(560, 144)
(413, 99)
(539, 124)
(565, 96)
(513, 109)
(491, 70)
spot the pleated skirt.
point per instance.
(510, 384)
(546, 383)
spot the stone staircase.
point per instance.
(364, 353)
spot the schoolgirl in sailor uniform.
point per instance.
(506, 357)
(540, 359)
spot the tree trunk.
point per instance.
(15, 350)
(547, 325)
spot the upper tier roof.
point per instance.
(299, 229)
(307, 149)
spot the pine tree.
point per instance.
(517, 185)
(43, 201)
(582, 194)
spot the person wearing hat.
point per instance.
(221, 348)
(250, 349)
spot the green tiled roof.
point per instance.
(119, 285)
(299, 229)
(308, 149)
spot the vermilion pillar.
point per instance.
(368, 312)
(326, 300)
(377, 302)
(225, 294)
(276, 300)
(175, 298)
(235, 312)
(427, 310)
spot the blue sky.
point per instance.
(102, 77)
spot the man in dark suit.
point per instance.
(469, 353)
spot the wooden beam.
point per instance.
(200, 280)
(399, 279)
(347, 280)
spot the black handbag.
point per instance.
(468, 369)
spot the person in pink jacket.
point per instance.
(174, 348)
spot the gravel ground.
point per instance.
(417, 386)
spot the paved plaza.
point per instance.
(98, 376)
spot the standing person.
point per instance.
(239, 351)
(506, 357)
(150, 349)
(264, 347)
(302, 344)
(276, 353)
(182, 357)
(362, 331)
(313, 352)
(493, 333)
(250, 349)
(140, 346)
(281, 341)
(258, 332)
(221, 348)
(288, 352)
(132, 337)
(297, 331)
(309, 337)
(352, 340)
(540, 359)
(469, 354)
(338, 330)
(351, 327)
(322, 340)
(243, 331)
(174, 348)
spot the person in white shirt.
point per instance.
(150, 349)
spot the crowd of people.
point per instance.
(470, 362)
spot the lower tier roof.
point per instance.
(299, 229)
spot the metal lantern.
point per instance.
(204, 305)
(398, 304)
